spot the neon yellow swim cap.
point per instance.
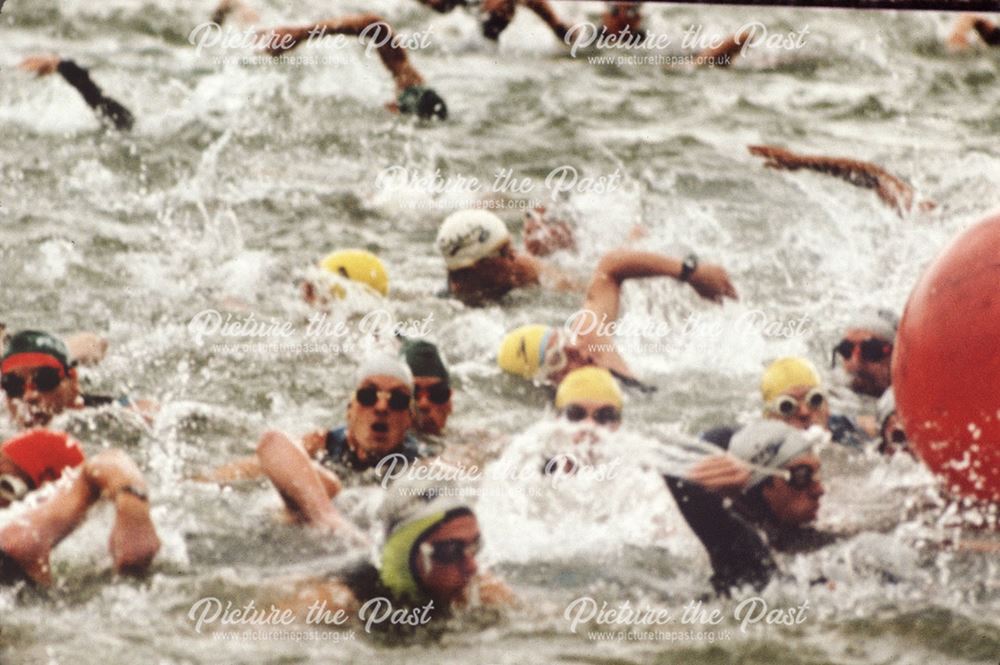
(589, 383)
(357, 265)
(523, 349)
(785, 373)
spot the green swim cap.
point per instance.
(411, 512)
(424, 359)
(422, 101)
(31, 344)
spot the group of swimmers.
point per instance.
(758, 492)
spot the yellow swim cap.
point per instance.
(589, 383)
(522, 350)
(785, 373)
(357, 265)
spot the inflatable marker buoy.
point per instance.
(946, 365)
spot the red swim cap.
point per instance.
(42, 454)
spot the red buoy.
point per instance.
(946, 365)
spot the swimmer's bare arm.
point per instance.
(249, 468)
(720, 473)
(547, 14)
(331, 595)
(304, 488)
(891, 190)
(370, 26)
(108, 109)
(110, 474)
(86, 348)
(988, 31)
(723, 54)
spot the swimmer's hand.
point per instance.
(720, 473)
(276, 41)
(711, 282)
(958, 40)
(40, 65)
(87, 348)
(777, 158)
(498, 15)
(544, 236)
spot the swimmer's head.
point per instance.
(481, 260)
(357, 265)
(431, 541)
(37, 378)
(866, 351)
(379, 414)
(792, 498)
(792, 392)
(591, 394)
(423, 102)
(34, 458)
(431, 386)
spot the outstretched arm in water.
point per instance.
(891, 190)
(30, 538)
(108, 109)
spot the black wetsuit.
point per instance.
(339, 456)
(739, 544)
(106, 107)
(988, 32)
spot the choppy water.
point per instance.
(237, 177)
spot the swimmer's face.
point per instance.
(594, 413)
(430, 414)
(448, 563)
(793, 504)
(379, 427)
(868, 377)
(488, 278)
(32, 403)
(810, 407)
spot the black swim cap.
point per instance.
(422, 101)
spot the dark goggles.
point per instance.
(447, 552)
(399, 400)
(439, 393)
(801, 477)
(897, 436)
(787, 405)
(44, 379)
(606, 415)
(872, 349)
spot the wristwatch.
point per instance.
(688, 267)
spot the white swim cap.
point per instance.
(467, 236)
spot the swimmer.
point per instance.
(38, 457)
(40, 381)
(891, 190)
(413, 95)
(110, 111)
(357, 265)
(427, 559)
(987, 30)
(379, 416)
(792, 392)
(496, 15)
(547, 354)
(432, 393)
(482, 263)
(866, 351)
(767, 509)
